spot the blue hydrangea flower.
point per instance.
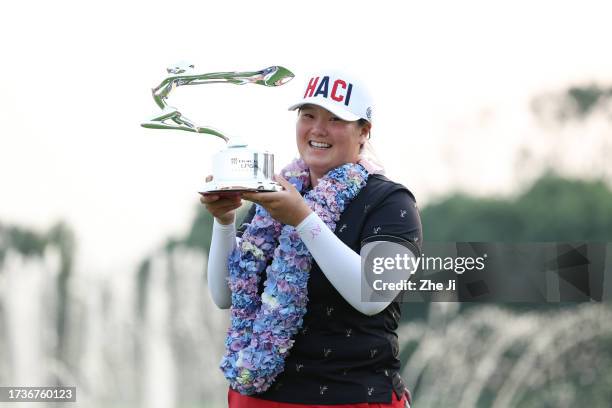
(262, 327)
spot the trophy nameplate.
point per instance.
(236, 168)
(242, 169)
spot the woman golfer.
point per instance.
(301, 335)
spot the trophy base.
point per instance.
(237, 187)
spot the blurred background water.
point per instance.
(154, 338)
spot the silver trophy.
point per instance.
(237, 167)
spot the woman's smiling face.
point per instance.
(325, 141)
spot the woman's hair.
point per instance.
(367, 154)
(369, 159)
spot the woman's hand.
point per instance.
(223, 208)
(287, 206)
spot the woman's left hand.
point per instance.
(287, 206)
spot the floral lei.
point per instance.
(262, 328)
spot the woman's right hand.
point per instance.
(223, 208)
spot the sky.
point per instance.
(452, 83)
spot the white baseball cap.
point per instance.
(342, 95)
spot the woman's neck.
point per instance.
(315, 175)
(314, 179)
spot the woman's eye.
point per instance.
(334, 119)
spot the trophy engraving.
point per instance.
(236, 168)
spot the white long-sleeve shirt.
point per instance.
(340, 264)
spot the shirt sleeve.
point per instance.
(340, 264)
(395, 219)
(222, 243)
(224, 239)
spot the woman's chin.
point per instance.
(317, 165)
